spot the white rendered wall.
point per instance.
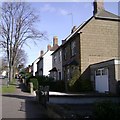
(35, 66)
(47, 63)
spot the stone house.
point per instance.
(56, 71)
(94, 41)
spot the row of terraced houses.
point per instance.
(93, 48)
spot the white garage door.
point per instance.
(101, 80)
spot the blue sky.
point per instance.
(56, 20)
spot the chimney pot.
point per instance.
(41, 52)
(48, 47)
(63, 41)
(73, 29)
(55, 40)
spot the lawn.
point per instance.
(9, 89)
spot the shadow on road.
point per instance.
(28, 104)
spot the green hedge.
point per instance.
(57, 85)
(81, 85)
(35, 83)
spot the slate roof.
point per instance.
(103, 14)
(54, 47)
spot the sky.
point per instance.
(57, 19)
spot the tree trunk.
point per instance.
(10, 73)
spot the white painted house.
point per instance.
(44, 64)
(34, 67)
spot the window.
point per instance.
(68, 73)
(98, 72)
(102, 71)
(73, 48)
(65, 53)
(59, 56)
(59, 75)
(54, 58)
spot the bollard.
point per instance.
(31, 87)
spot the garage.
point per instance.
(101, 80)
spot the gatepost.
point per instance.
(43, 95)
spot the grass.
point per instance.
(10, 89)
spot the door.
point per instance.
(101, 80)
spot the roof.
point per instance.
(53, 70)
(54, 47)
(103, 14)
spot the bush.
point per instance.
(35, 83)
(58, 86)
(106, 110)
(81, 86)
(86, 85)
(44, 80)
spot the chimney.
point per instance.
(63, 41)
(98, 6)
(41, 52)
(48, 47)
(73, 29)
(55, 40)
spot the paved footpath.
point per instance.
(22, 105)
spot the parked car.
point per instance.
(2, 77)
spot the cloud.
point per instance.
(47, 8)
(63, 11)
(50, 8)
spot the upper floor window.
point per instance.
(54, 59)
(59, 56)
(73, 48)
(65, 53)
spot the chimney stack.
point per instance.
(98, 6)
(63, 41)
(41, 52)
(73, 29)
(48, 47)
(55, 40)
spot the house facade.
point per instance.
(56, 71)
(44, 64)
(34, 67)
(94, 41)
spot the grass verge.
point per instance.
(10, 89)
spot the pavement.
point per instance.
(23, 105)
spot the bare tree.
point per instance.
(20, 60)
(17, 26)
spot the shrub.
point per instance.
(35, 83)
(106, 110)
(85, 85)
(44, 80)
(58, 86)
